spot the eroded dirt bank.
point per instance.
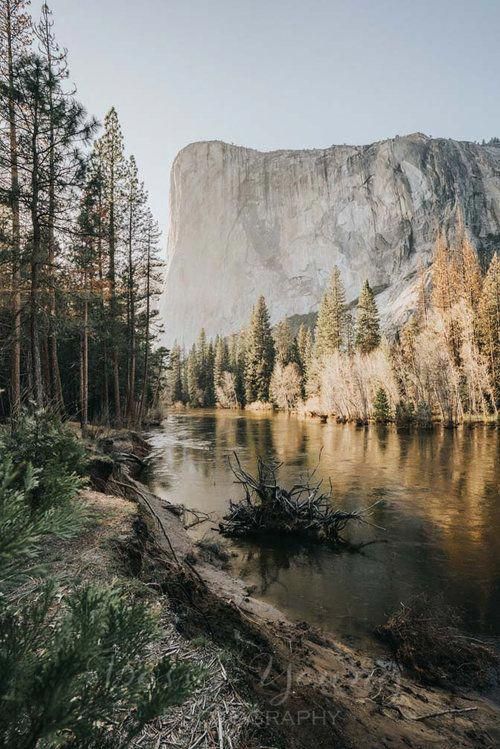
(306, 689)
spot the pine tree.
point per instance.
(151, 279)
(64, 128)
(237, 359)
(221, 361)
(330, 327)
(381, 407)
(488, 322)
(305, 353)
(174, 378)
(259, 354)
(136, 220)
(86, 261)
(349, 333)
(192, 375)
(205, 370)
(285, 345)
(209, 388)
(15, 36)
(113, 171)
(367, 321)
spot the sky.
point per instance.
(272, 74)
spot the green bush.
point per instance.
(41, 467)
(39, 438)
(76, 673)
(75, 668)
(423, 415)
(381, 407)
(405, 414)
(24, 528)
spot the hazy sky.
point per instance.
(282, 73)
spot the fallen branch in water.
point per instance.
(303, 511)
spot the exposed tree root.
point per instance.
(304, 511)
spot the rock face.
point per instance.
(244, 223)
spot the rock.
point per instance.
(245, 223)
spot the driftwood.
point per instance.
(304, 511)
(426, 637)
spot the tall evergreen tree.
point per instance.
(221, 361)
(174, 377)
(367, 321)
(330, 326)
(259, 354)
(237, 359)
(136, 228)
(192, 375)
(151, 277)
(285, 345)
(381, 407)
(46, 189)
(305, 352)
(15, 36)
(113, 172)
(349, 340)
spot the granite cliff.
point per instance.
(244, 223)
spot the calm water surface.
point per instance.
(440, 507)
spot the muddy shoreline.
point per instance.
(309, 688)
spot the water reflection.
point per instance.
(439, 505)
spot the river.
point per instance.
(438, 503)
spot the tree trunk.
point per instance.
(131, 342)
(37, 393)
(84, 362)
(104, 406)
(114, 312)
(56, 386)
(16, 231)
(145, 372)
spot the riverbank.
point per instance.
(312, 410)
(305, 687)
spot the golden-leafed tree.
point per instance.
(446, 280)
(489, 322)
(469, 269)
(446, 291)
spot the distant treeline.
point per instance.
(443, 364)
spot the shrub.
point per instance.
(426, 638)
(57, 456)
(74, 668)
(405, 413)
(381, 408)
(81, 677)
(423, 415)
(24, 528)
(286, 385)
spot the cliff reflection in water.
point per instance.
(440, 508)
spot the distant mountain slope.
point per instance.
(244, 223)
